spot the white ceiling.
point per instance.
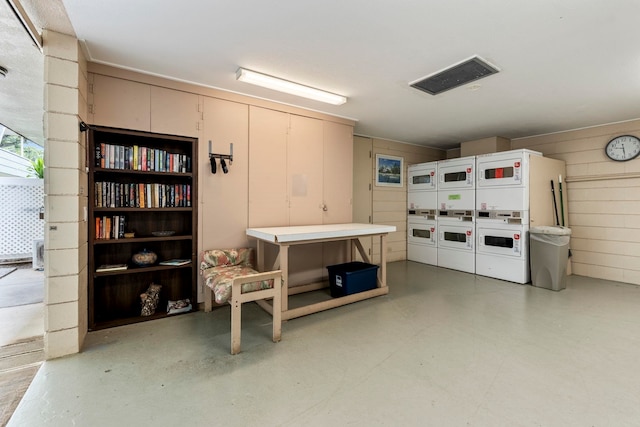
(564, 64)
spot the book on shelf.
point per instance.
(111, 267)
(113, 156)
(141, 195)
(175, 261)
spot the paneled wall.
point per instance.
(389, 204)
(603, 200)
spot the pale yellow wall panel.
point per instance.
(589, 220)
(599, 194)
(390, 196)
(611, 207)
(598, 272)
(610, 183)
(389, 218)
(632, 167)
(593, 258)
(606, 247)
(605, 168)
(606, 233)
(577, 170)
(380, 207)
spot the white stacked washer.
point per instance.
(422, 201)
(502, 215)
(455, 216)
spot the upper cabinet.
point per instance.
(126, 104)
(119, 103)
(174, 112)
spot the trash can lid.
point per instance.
(551, 229)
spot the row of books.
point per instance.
(110, 156)
(120, 195)
(117, 267)
(110, 227)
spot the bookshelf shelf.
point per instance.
(125, 199)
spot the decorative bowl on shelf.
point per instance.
(144, 258)
(163, 233)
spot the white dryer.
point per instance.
(456, 183)
(422, 239)
(502, 182)
(502, 250)
(422, 186)
(456, 237)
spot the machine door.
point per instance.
(457, 174)
(422, 177)
(505, 241)
(458, 237)
(503, 170)
(422, 233)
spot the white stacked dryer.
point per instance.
(455, 215)
(502, 215)
(422, 242)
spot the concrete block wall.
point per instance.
(65, 196)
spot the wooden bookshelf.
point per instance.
(142, 195)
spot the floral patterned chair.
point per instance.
(229, 276)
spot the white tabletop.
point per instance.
(313, 232)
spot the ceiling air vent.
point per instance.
(457, 75)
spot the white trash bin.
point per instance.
(549, 255)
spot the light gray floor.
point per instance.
(444, 348)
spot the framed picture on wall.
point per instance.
(389, 171)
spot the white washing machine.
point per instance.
(502, 250)
(456, 237)
(502, 181)
(456, 183)
(422, 239)
(422, 186)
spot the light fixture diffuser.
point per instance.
(286, 86)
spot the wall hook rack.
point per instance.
(222, 157)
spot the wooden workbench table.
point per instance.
(285, 237)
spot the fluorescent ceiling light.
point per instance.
(286, 86)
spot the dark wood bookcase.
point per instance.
(126, 168)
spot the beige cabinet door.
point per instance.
(120, 103)
(223, 197)
(174, 112)
(304, 170)
(337, 173)
(268, 204)
(362, 184)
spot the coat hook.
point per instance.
(222, 157)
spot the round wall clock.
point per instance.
(623, 148)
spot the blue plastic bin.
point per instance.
(351, 278)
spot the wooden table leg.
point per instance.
(284, 267)
(383, 260)
(260, 256)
